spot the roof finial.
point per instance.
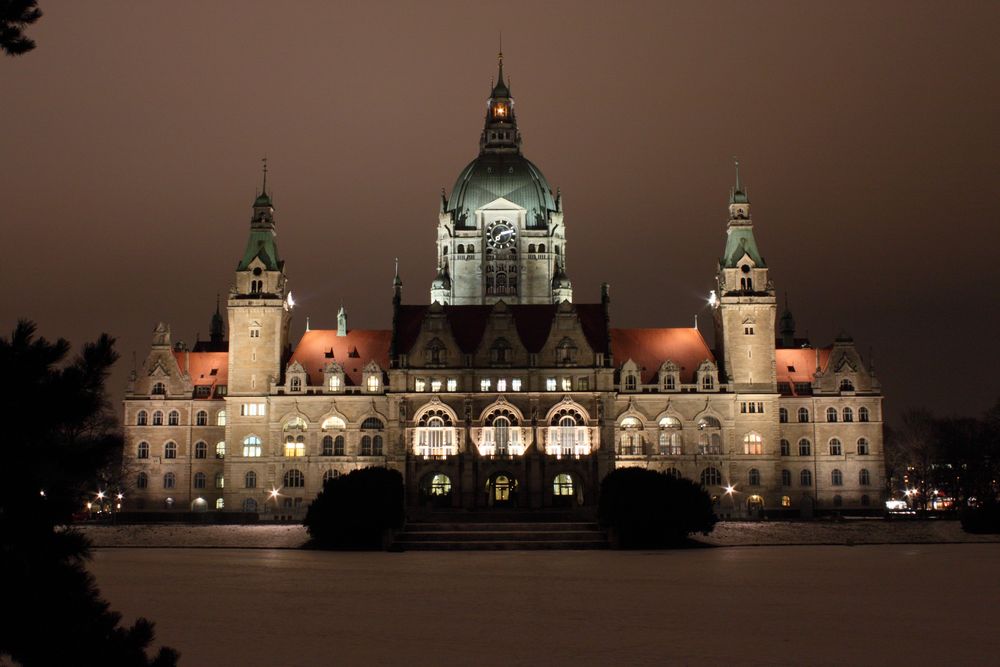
(736, 161)
(263, 189)
(500, 61)
(307, 323)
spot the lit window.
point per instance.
(452, 384)
(220, 419)
(373, 383)
(220, 480)
(253, 410)
(419, 385)
(550, 384)
(201, 450)
(220, 449)
(251, 446)
(220, 503)
(753, 443)
(562, 485)
(567, 384)
(502, 384)
(435, 386)
(515, 384)
(201, 419)
(334, 383)
(786, 501)
(295, 445)
(484, 384)
(440, 485)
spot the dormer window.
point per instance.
(334, 383)
(500, 352)
(295, 384)
(566, 352)
(846, 385)
(435, 353)
(372, 383)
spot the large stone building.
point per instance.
(503, 391)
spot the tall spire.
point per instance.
(216, 330)
(500, 135)
(263, 199)
(738, 195)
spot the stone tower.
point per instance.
(501, 235)
(259, 307)
(744, 308)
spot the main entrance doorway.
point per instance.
(501, 490)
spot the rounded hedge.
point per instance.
(648, 509)
(355, 510)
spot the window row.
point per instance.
(142, 418)
(170, 450)
(835, 447)
(836, 477)
(832, 415)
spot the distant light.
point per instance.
(42, 493)
(120, 496)
(713, 300)
(729, 489)
(100, 494)
(291, 301)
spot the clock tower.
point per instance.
(501, 235)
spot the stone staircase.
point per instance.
(498, 531)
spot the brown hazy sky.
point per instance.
(132, 139)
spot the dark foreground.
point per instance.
(889, 604)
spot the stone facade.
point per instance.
(503, 392)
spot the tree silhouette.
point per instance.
(15, 16)
(57, 436)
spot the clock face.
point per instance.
(501, 234)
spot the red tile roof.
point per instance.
(649, 348)
(352, 352)
(799, 364)
(205, 368)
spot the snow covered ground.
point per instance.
(727, 533)
(925, 604)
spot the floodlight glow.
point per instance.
(729, 489)
(712, 299)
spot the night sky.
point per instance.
(867, 133)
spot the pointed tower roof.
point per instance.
(738, 194)
(500, 88)
(262, 242)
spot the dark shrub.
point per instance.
(353, 511)
(982, 519)
(644, 509)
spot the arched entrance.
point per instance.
(436, 490)
(199, 505)
(566, 492)
(501, 490)
(755, 507)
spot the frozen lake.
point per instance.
(886, 604)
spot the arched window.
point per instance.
(786, 448)
(531, 247)
(333, 423)
(142, 451)
(220, 480)
(249, 505)
(753, 477)
(806, 478)
(295, 384)
(786, 501)
(199, 480)
(294, 479)
(250, 480)
(460, 249)
(200, 450)
(251, 446)
(471, 248)
(673, 472)
(295, 445)
(372, 424)
(711, 477)
(170, 450)
(848, 415)
(864, 477)
(846, 385)
(366, 445)
(562, 485)
(753, 444)
(670, 436)
(541, 247)
(220, 418)
(710, 436)
(831, 414)
(862, 414)
(631, 384)
(327, 445)
(141, 418)
(157, 418)
(174, 418)
(782, 415)
(836, 477)
(142, 481)
(220, 503)
(159, 389)
(500, 351)
(377, 446)
(805, 447)
(836, 449)
(169, 480)
(220, 449)
(631, 437)
(338, 446)
(803, 415)
(786, 477)
(201, 419)
(708, 383)
(863, 447)
(330, 474)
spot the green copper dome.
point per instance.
(508, 175)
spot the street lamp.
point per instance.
(731, 492)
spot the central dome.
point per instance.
(508, 175)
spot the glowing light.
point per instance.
(274, 493)
(120, 496)
(713, 300)
(730, 489)
(100, 494)
(291, 301)
(42, 493)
